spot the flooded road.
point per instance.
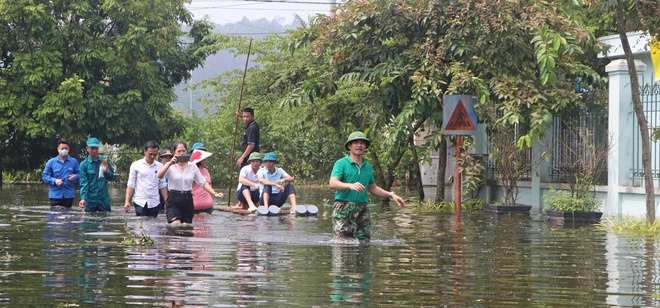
(68, 258)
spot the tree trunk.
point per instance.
(1, 170)
(641, 118)
(379, 175)
(442, 169)
(418, 172)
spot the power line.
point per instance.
(250, 9)
(286, 1)
(272, 1)
(253, 33)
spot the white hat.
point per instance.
(199, 155)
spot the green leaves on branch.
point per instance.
(549, 46)
(73, 68)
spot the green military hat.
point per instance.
(254, 156)
(357, 136)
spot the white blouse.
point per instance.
(182, 180)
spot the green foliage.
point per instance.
(307, 140)
(561, 200)
(512, 163)
(471, 167)
(406, 55)
(101, 68)
(141, 239)
(633, 226)
(469, 205)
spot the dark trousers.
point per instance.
(254, 195)
(145, 210)
(279, 198)
(92, 207)
(179, 207)
(66, 202)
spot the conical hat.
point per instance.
(199, 155)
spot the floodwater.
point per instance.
(71, 259)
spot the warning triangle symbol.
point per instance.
(460, 119)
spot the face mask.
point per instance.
(64, 152)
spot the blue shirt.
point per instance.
(279, 173)
(57, 169)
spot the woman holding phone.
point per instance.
(181, 174)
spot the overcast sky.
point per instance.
(228, 11)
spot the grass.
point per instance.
(470, 205)
(633, 226)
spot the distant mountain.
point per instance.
(224, 61)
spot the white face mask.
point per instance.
(64, 152)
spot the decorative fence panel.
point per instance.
(579, 140)
(650, 96)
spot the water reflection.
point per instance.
(351, 275)
(60, 252)
(52, 257)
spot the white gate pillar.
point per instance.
(621, 117)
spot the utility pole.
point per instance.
(333, 6)
(190, 95)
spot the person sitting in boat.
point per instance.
(248, 182)
(271, 180)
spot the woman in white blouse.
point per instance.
(180, 176)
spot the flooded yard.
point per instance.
(69, 259)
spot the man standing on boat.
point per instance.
(250, 136)
(95, 172)
(250, 142)
(272, 188)
(351, 177)
(142, 181)
(248, 182)
(60, 173)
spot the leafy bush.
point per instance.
(561, 200)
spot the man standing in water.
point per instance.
(350, 176)
(95, 172)
(60, 173)
(142, 181)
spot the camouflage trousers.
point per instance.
(350, 219)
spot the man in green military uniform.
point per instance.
(350, 176)
(95, 172)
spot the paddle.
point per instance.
(233, 148)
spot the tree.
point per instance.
(407, 54)
(101, 68)
(624, 16)
(307, 142)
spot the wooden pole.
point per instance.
(233, 148)
(458, 176)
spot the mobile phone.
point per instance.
(182, 159)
